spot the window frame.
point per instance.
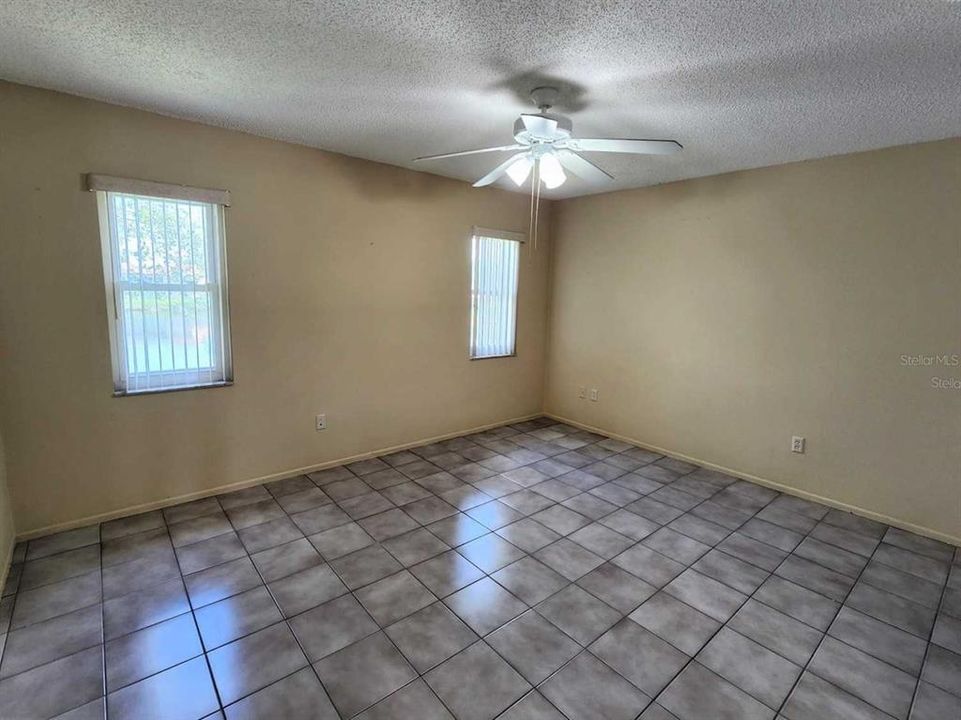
(507, 235)
(214, 202)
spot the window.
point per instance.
(166, 282)
(493, 321)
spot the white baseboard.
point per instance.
(208, 492)
(240, 485)
(781, 487)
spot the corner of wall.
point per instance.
(556, 206)
(7, 528)
(550, 236)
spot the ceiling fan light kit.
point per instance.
(520, 169)
(551, 173)
(546, 145)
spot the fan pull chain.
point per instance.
(535, 207)
(530, 226)
(537, 211)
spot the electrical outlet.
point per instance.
(582, 392)
(321, 422)
(797, 444)
(593, 394)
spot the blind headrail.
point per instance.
(498, 234)
(111, 183)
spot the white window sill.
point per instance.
(494, 357)
(157, 391)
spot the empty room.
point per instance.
(458, 361)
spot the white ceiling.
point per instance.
(744, 83)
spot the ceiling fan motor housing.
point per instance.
(561, 131)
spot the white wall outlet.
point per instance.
(593, 394)
(582, 392)
(797, 444)
(321, 422)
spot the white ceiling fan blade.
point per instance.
(583, 168)
(502, 148)
(539, 126)
(619, 145)
(498, 171)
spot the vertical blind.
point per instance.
(167, 276)
(493, 327)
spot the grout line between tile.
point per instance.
(804, 669)
(103, 630)
(692, 658)
(927, 647)
(210, 671)
(284, 619)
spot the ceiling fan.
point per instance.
(547, 147)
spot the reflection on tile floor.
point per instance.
(529, 572)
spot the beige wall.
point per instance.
(720, 316)
(348, 290)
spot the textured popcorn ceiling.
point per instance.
(740, 84)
